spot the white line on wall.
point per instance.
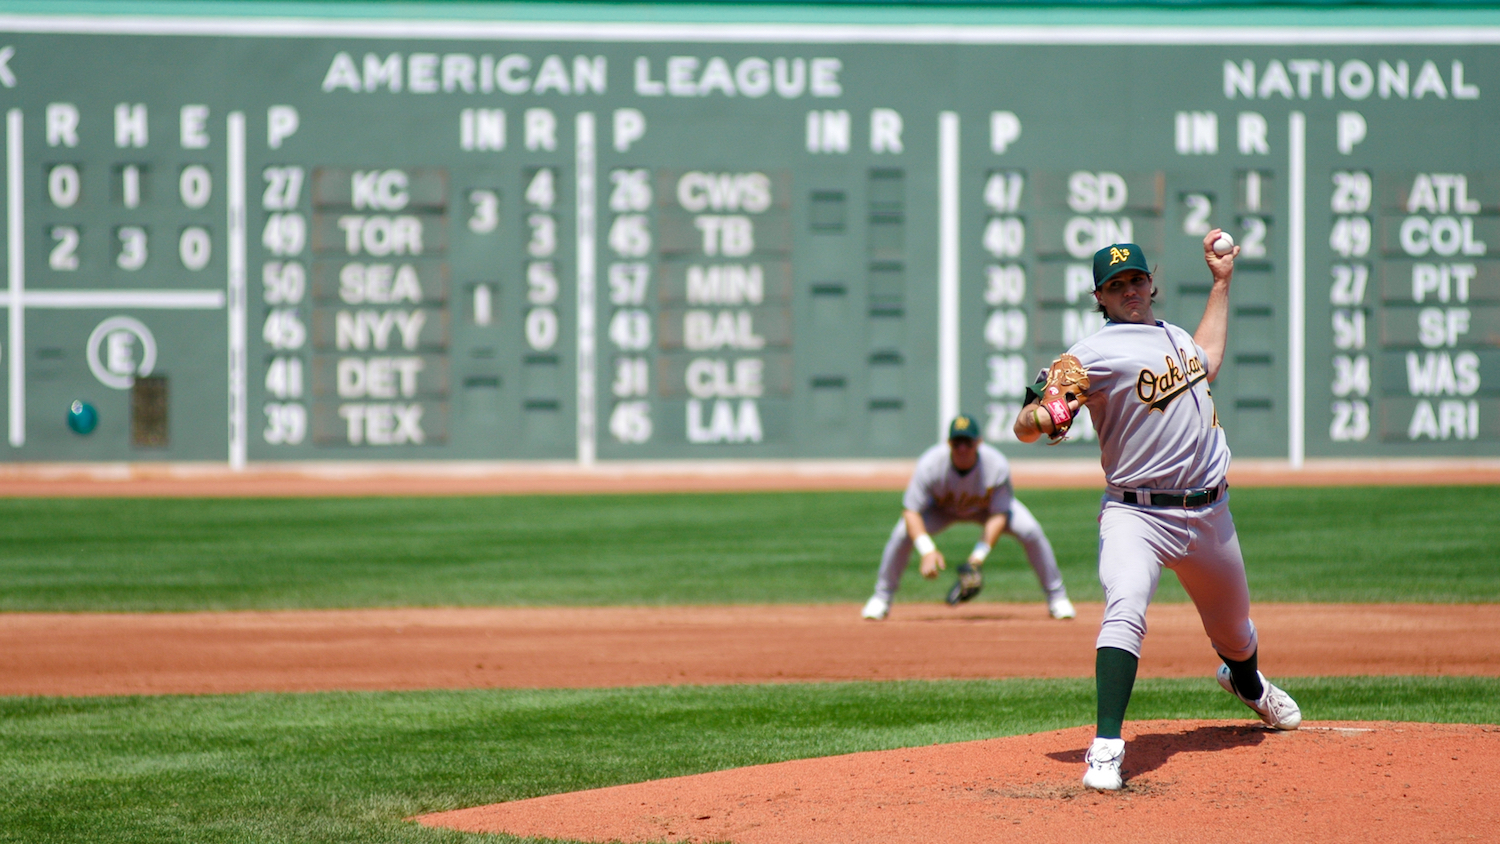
(1237, 33)
(586, 226)
(236, 283)
(1296, 288)
(16, 267)
(948, 270)
(181, 300)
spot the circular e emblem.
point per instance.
(120, 348)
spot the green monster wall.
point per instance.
(251, 238)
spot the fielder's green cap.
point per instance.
(963, 428)
(1117, 258)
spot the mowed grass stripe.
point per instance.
(1427, 544)
(348, 767)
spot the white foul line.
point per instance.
(584, 164)
(1296, 289)
(16, 265)
(238, 388)
(948, 279)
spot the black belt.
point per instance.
(1196, 498)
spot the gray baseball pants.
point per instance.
(1200, 546)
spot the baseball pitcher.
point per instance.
(963, 480)
(1145, 383)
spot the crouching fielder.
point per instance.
(963, 480)
(1145, 383)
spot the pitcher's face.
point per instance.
(1127, 297)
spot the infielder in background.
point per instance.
(1145, 383)
(963, 480)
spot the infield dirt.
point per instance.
(585, 647)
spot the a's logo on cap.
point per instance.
(1116, 255)
(961, 423)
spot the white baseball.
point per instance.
(1224, 245)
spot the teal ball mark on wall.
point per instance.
(82, 417)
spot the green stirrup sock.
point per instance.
(1114, 675)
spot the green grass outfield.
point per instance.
(1427, 544)
(348, 767)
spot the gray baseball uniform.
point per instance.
(943, 496)
(1159, 436)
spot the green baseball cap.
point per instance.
(1117, 258)
(963, 428)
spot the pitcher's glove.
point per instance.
(970, 579)
(1066, 380)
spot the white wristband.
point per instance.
(981, 550)
(924, 544)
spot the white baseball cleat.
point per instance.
(1061, 608)
(1275, 706)
(1104, 759)
(876, 609)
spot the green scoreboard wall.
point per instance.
(270, 239)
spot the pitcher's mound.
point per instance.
(1185, 781)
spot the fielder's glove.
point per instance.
(1066, 380)
(969, 582)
